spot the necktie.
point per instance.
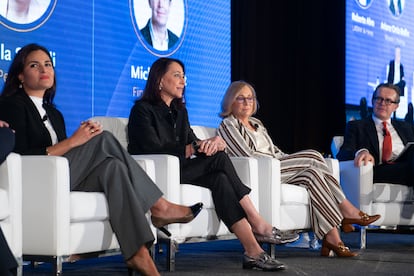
(386, 144)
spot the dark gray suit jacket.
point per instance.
(363, 134)
(172, 38)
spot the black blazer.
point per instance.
(159, 129)
(363, 134)
(32, 137)
(172, 38)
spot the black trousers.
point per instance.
(401, 171)
(8, 264)
(217, 173)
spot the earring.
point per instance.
(160, 87)
(21, 85)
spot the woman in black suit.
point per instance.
(8, 264)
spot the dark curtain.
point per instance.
(293, 52)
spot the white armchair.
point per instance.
(392, 201)
(206, 225)
(283, 205)
(11, 204)
(57, 222)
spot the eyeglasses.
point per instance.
(241, 99)
(380, 100)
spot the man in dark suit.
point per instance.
(156, 32)
(364, 139)
(8, 264)
(396, 71)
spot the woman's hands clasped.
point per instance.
(211, 146)
(86, 131)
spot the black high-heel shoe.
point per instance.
(161, 222)
(131, 272)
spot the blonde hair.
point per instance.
(231, 94)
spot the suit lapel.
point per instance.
(371, 132)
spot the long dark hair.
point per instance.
(11, 86)
(152, 87)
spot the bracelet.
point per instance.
(47, 151)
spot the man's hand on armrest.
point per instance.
(362, 157)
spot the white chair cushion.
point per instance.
(386, 192)
(88, 206)
(4, 204)
(294, 194)
(191, 194)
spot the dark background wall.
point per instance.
(293, 52)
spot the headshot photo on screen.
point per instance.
(160, 22)
(364, 3)
(23, 11)
(396, 7)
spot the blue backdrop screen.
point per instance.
(102, 59)
(374, 30)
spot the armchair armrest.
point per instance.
(357, 184)
(334, 165)
(248, 171)
(11, 181)
(46, 216)
(270, 189)
(167, 174)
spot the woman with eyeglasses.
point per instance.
(246, 136)
(158, 123)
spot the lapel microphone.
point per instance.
(44, 118)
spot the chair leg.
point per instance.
(172, 247)
(58, 265)
(363, 237)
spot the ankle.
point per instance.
(142, 262)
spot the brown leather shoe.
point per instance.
(364, 220)
(340, 250)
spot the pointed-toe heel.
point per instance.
(131, 272)
(161, 222)
(364, 220)
(330, 250)
(165, 231)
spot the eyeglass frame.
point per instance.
(241, 99)
(380, 100)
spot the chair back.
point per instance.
(203, 132)
(117, 125)
(336, 144)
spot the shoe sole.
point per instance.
(255, 267)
